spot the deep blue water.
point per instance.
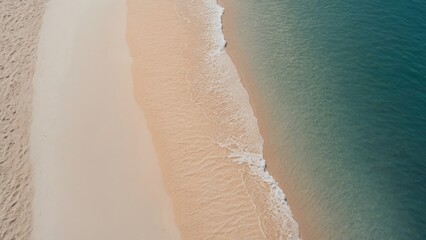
(342, 86)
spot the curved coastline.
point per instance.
(204, 128)
(277, 196)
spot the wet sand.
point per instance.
(203, 126)
(238, 55)
(19, 27)
(96, 172)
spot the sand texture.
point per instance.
(203, 126)
(96, 171)
(19, 26)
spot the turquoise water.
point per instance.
(342, 86)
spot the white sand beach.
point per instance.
(95, 171)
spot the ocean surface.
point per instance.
(341, 89)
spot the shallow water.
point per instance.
(203, 125)
(341, 91)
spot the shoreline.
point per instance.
(240, 62)
(203, 125)
(96, 172)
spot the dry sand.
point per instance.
(19, 27)
(96, 173)
(202, 123)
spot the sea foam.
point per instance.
(219, 93)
